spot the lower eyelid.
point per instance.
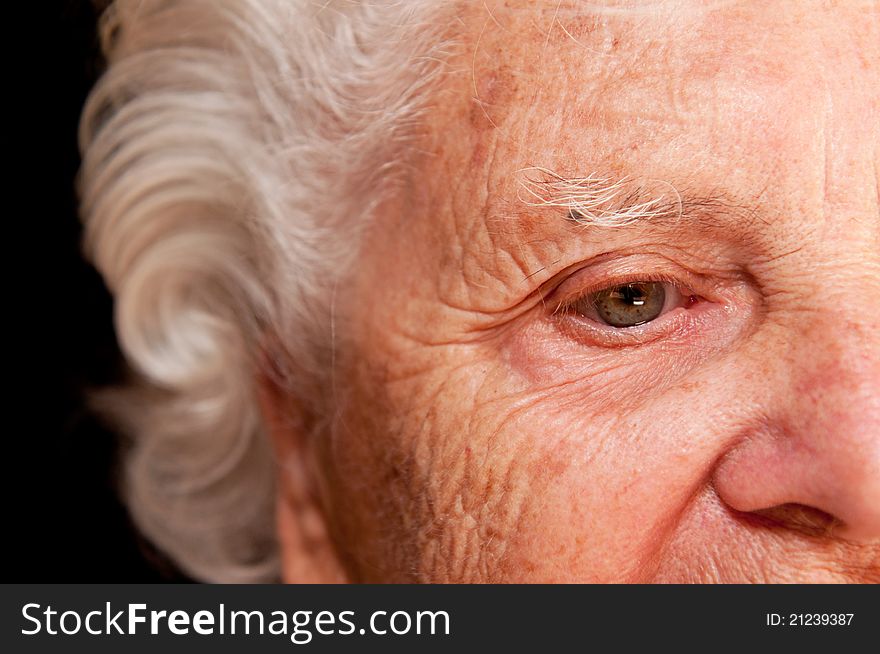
(669, 324)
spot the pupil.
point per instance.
(633, 294)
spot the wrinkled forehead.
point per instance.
(674, 90)
(642, 57)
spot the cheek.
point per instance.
(454, 475)
(607, 493)
(427, 484)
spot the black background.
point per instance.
(60, 472)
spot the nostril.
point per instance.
(798, 517)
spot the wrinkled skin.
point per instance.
(483, 435)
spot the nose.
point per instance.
(819, 446)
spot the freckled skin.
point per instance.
(478, 437)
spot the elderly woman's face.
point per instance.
(541, 380)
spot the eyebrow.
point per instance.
(599, 200)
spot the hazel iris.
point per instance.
(630, 305)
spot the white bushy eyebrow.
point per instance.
(601, 200)
(596, 200)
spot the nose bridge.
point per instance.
(836, 364)
(834, 411)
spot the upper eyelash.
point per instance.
(564, 304)
(596, 334)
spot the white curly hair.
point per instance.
(232, 153)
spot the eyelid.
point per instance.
(590, 280)
(573, 288)
(707, 279)
(673, 326)
(674, 294)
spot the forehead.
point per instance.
(656, 61)
(753, 92)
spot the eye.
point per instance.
(631, 304)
